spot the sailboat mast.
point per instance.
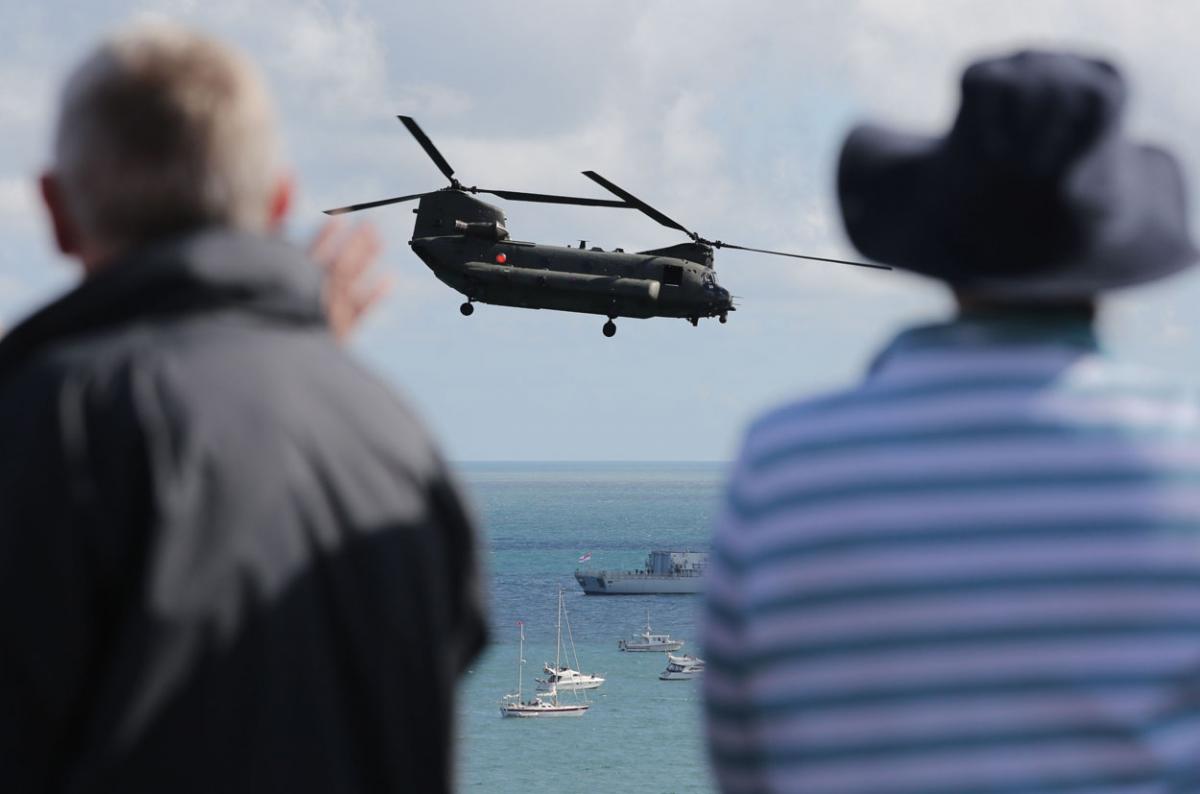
(558, 638)
(571, 638)
(520, 660)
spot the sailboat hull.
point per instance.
(542, 711)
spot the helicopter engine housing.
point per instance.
(485, 230)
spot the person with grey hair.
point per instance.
(230, 558)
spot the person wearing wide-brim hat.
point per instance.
(979, 570)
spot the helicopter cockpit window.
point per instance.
(672, 275)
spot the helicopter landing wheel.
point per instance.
(695, 321)
(723, 319)
(610, 328)
(467, 309)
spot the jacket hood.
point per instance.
(204, 271)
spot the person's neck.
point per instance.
(95, 257)
(1080, 310)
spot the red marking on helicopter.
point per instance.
(501, 258)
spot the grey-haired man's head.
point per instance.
(162, 131)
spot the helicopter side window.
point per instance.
(672, 275)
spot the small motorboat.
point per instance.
(649, 642)
(681, 668)
(566, 679)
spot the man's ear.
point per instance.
(280, 202)
(66, 233)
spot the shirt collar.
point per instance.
(980, 332)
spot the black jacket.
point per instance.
(230, 559)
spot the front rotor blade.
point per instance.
(719, 244)
(546, 198)
(428, 146)
(369, 204)
(635, 202)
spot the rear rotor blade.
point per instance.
(428, 146)
(546, 198)
(369, 204)
(636, 202)
(719, 244)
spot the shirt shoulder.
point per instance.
(767, 426)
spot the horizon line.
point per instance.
(461, 461)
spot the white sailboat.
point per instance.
(544, 704)
(648, 641)
(560, 676)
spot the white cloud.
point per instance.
(337, 59)
(20, 208)
(432, 101)
(26, 96)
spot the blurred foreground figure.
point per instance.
(230, 559)
(979, 571)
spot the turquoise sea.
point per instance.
(640, 733)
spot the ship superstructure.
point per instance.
(665, 571)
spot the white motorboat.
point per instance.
(648, 641)
(560, 676)
(566, 679)
(681, 668)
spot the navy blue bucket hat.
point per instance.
(1034, 193)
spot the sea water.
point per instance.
(640, 733)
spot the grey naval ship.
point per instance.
(664, 572)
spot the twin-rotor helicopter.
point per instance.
(465, 242)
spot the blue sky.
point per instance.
(726, 115)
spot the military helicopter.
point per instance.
(465, 242)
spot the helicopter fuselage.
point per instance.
(465, 244)
(610, 283)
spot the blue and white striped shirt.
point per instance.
(979, 571)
